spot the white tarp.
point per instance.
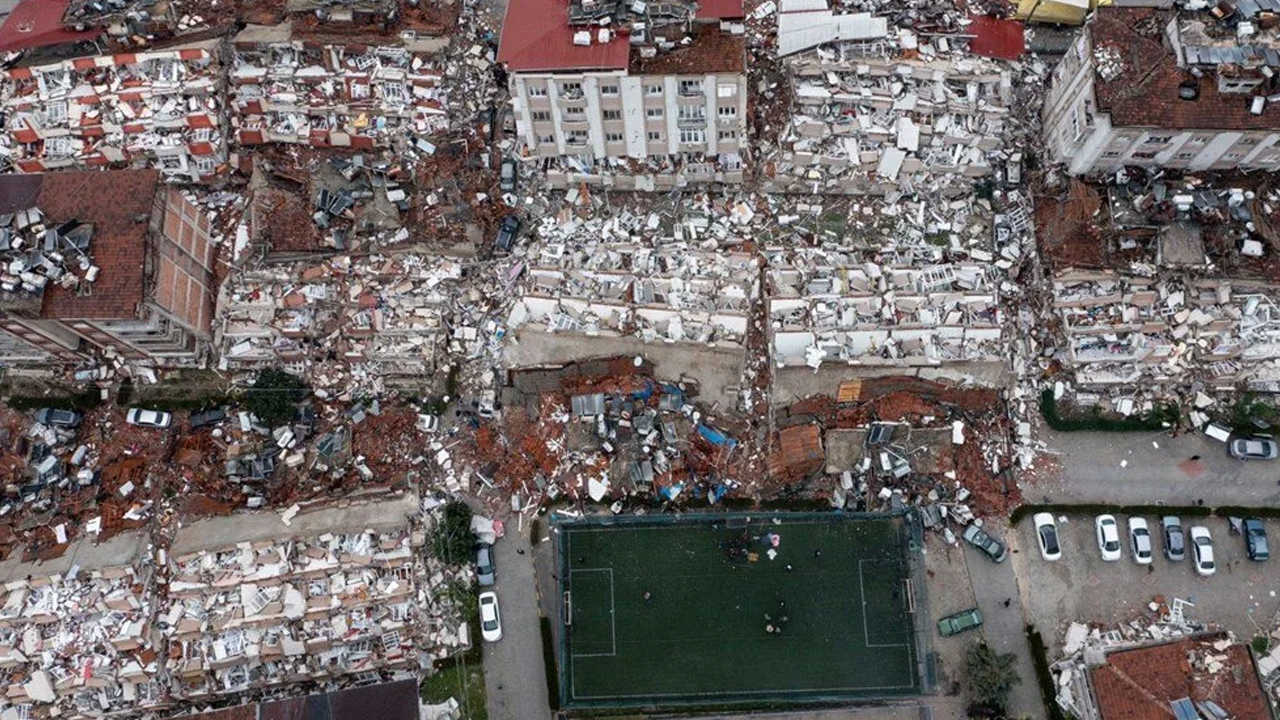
(482, 528)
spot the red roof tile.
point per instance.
(996, 38)
(1140, 684)
(536, 36)
(719, 9)
(1146, 92)
(37, 23)
(118, 203)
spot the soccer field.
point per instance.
(828, 617)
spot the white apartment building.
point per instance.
(1143, 87)
(637, 102)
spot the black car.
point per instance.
(54, 417)
(1255, 539)
(507, 232)
(205, 418)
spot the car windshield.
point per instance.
(490, 624)
(1203, 541)
(1049, 538)
(1112, 545)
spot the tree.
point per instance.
(992, 677)
(274, 397)
(453, 541)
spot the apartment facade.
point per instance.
(1147, 88)
(598, 98)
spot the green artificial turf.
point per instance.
(701, 636)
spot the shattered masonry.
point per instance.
(156, 109)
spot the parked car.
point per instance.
(508, 176)
(1175, 547)
(53, 417)
(1255, 448)
(1255, 539)
(507, 233)
(1140, 541)
(428, 423)
(206, 418)
(490, 620)
(1202, 549)
(1108, 537)
(486, 574)
(148, 418)
(1047, 535)
(958, 623)
(978, 538)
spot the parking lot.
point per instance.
(1082, 587)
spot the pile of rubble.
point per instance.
(159, 108)
(35, 252)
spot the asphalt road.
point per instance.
(513, 667)
(1150, 468)
(1004, 628)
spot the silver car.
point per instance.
(1255, 448)
(1175, 542)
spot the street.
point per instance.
(1157, 468)
(513, 668)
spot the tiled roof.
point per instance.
(719, 9)
(118, 203)
(1146, 92)
(1140, 684)
(536, 36)
(37, 23)
(995, 38)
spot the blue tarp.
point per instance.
(671, 491)
(715, 437)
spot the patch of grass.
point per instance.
(549, 661)
(1164, 416)
(1044, 678)
(82, 401)
(1260, 644)
(457, 678)
(1250, 408)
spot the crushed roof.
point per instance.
(536, 35)
(1140, 684)
(1146, 92)
(38, 23)
(996, 38)
(118, 204)
(711, 51)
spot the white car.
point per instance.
(490, 621)
(1202, 549)
(1108, 537)
(148, 418)
(1047, 536)
(1140, 541)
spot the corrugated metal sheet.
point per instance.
(804, 30)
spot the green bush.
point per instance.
(1044, 678)
(1261, 644)
(991, 677)
(452, 540)
(82, 401)
(274, 397)
(1164, 416)
(549, 660)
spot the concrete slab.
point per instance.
(118, 551)
(794, 383)
(220, 532)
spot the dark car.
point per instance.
(507, 232)
(205, 418)
(485, 571)
(1175, 543)
(1255, 539)
(508, 176)
(54, 417)
(993, 548)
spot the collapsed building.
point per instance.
(104, 263)
(875, 109)
(286, 90)
(1180, 89)
(159, 109)
(640, 97)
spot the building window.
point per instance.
(608, 89)
(1199, 139)
(1233, 156)
(653, 113)
(537, 90)
(690, 87)
(691, 112)
(655, 136)
(571, 88)
(725, 91)
(575, 112)
(540, 116)
(1248, 141)
(1158, 139)
(546, 139)
(1111, 154)
(1185, 155)
(728, 134)
(205, 165)
(1144, 156)
(652, 89)
(613, 137)
(576, 137)
(693, 136)
(727, 111)
(612, 114)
